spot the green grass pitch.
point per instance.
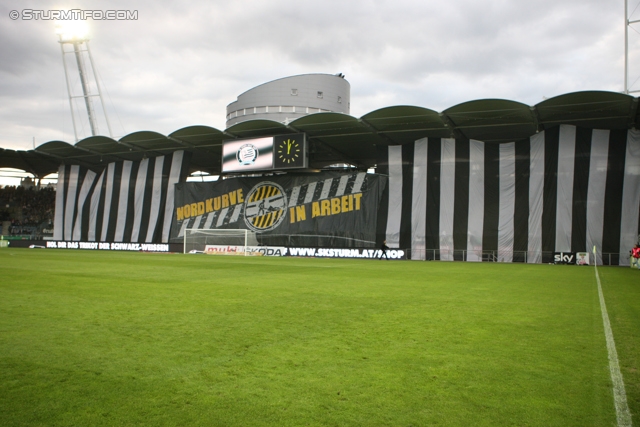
(109, 339)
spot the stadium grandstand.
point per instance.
(485, 180)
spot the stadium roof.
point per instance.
(340, 138)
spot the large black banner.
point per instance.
(321, 209)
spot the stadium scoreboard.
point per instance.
(278, 152)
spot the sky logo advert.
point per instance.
(563, 257)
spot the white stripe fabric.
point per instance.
(82, 197)
(419, 200)
(395, 196)
(223, 214)
(536, 188)
(630, 197)
(107, 201)
(123, 200)
(93, 209)
(311, 189)
(564, 207)
(295, 193)
(183, 229)
(342, 185)
(447, 197)
(138, 201)
(196, 223)
(174, 177)
(507, 201)
(58, 219)
(595, 192)
(357, 184)
(71, 201)
(326, 187)
(475, 228)
(235, 215)
(156, 195)
(210, 217)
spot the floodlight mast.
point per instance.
(85, 87)
(77, 44)
(627, 24)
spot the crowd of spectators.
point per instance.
(26, 208)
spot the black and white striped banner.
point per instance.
(328, 208)
(128, 201)
(567, 189)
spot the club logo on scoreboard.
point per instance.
(247, 154)
(265, 207)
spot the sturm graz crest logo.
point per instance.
(247, 154)
(265, 207)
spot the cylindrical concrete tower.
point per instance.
(289, 98)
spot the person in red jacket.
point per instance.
(635, 253)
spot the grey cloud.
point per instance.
(181, 63)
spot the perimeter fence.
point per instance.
(497, 256)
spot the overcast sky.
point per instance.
(182, 62)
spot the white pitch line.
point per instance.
(619, 395)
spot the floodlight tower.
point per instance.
(76, 37)
(627, 23)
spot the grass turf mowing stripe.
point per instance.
(106, 339)
(619, 396)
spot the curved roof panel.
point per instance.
(329, 124)
(29, 161)
(404, 123)
(255, 128)
(59, 149)
(206, 144)
(148, 143)
(341, 138)
(338, 138)
(200, 136)
(107, 148)
(66, 153)
(592, 109)
(491, 120)
(100, 144)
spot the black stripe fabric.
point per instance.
(613, 194)
(461, 199)
(82, 174)
(580, 190)
(128, 225)
(166, 171)
(432, 231)
(86, 211)
(382, 168)
(74, 210)
(184, 167)
(113, 209)
(521, 208)
(550, 195)
(146, 202)
(67, 172)
(408, 151)
(491, 196)
(101, 200)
